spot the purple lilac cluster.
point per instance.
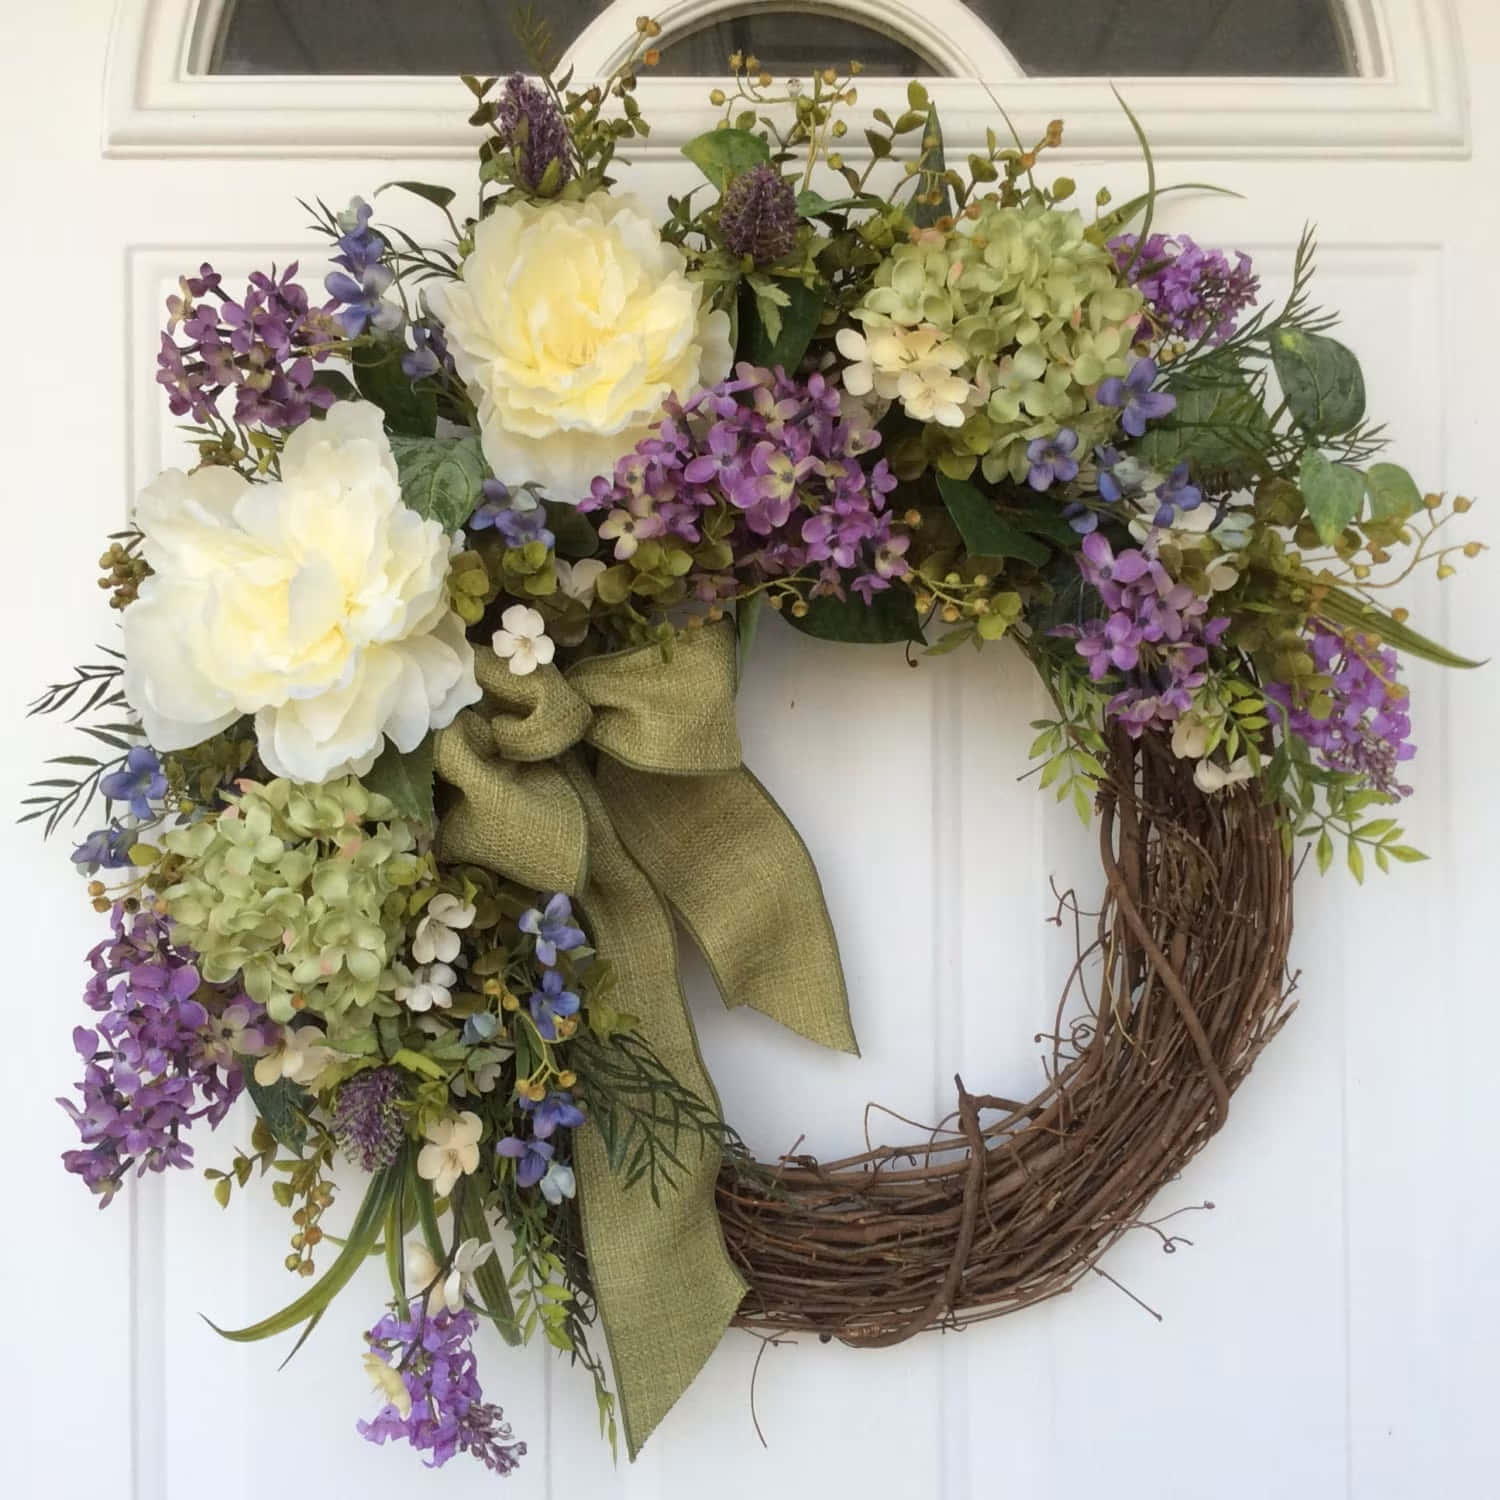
(263, 347)
(1155, 635)
(157, 1059)
(530, 123)
(1191, 293)
(358, 289)
(1367, 730)
(782, 457)
(447, 1412)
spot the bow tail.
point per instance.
(664, 1283)
(727, 859)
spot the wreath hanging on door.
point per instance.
(422, 730)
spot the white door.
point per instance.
(1330, 1329)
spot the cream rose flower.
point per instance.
(316, 603)
(572, 324)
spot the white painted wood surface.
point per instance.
(1330, 1332)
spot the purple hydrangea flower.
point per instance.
(528, 120)
(519, 527)
(362, 301)
(366, 1121)
(1367, 732)
(1052, 460)
(758, 215)
(553, 929)
(429, 354)
(447, 1412)
(1134, 394)
(1190, 293)
(1153, 634)
(152, 1063)
(551, 1004)
(1175, 494)
(105, 849)
(532, 1158)
(264, 348)
(555, 1111)
(789, 464)
(139, 783)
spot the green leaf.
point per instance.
(441, 196)
(441, 478)
(746, 618)
(1393, 492)
(892, 616)
(575, 537)
(1215, 425)
(1356, 862)
(282, 1106)
(362, 1239)
(799, 321)
(1321, 380)
(932, 164)
(380, 378)
(720, 154)
(489, 1279)
(984, 533)
(406, 778)
(337, 382)
(1334, 494)
(1324, 852)
(1339, 608)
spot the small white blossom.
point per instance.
(431, 987)
(388, 1382)
(914, 365)
(299, 1056)
(522, 640)
(447, 1291)
(436, 937)
(558, 1183)
(577, 580)
(1194, 733)
(1209, 776)
(452, 1150)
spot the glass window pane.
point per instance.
(1050, 38)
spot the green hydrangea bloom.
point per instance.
(1040, 315)
(301, 890)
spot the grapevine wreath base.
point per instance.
(988, 1218)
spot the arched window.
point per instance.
(1040, 38)
(1210, 77)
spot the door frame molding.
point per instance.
(159, 101)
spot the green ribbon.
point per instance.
(663, 819)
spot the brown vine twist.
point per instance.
(988, 1218)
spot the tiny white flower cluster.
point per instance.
(912, 365)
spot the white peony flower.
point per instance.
(452, 1150)
(572, 324)
(1209, 776)
(522, 640)
(316, 603)
(436, 937)
(431, 987)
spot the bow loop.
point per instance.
(669, 710)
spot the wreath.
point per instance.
(420, 737)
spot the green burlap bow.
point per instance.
(667, 817)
